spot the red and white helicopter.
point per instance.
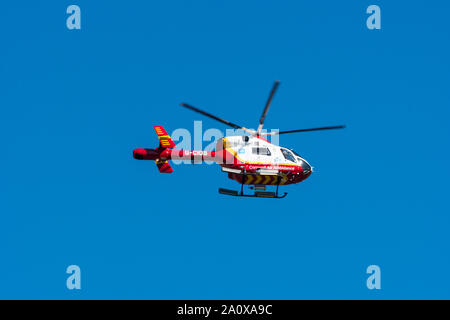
(249, 159)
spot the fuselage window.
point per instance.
(288, 155)
(261, 151)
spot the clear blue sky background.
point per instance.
(74, 104)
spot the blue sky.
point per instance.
(76, 103)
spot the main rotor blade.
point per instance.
(302, 130)
(216, 118)
(266, 108)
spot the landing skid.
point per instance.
(257, 194)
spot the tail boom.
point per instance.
(164, 152)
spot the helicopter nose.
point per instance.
(306, 167)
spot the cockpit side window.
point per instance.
(287, 155)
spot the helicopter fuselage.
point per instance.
(251, 158)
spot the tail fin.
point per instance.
(165, 140)
(160, 154)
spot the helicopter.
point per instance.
(248, 159)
